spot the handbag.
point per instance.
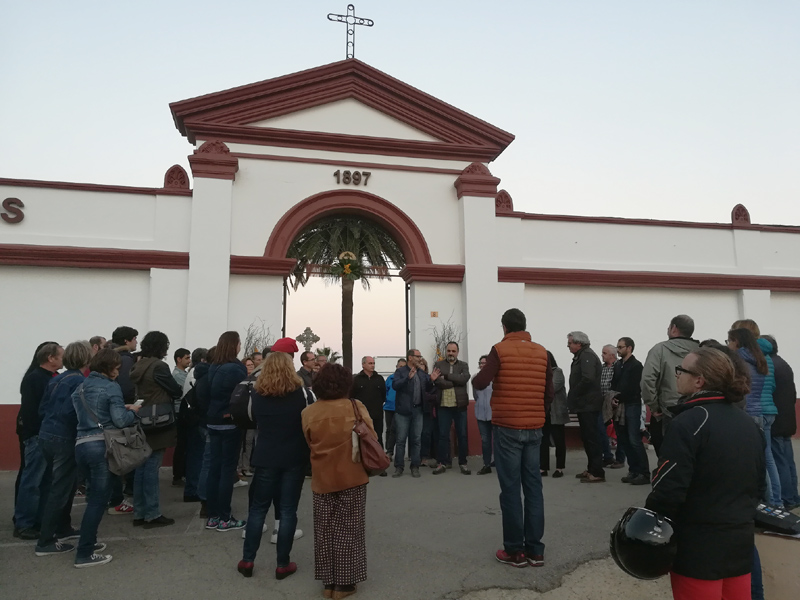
(126, 449)
(157, 417)
(366, 448)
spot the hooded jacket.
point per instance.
(659, 387)
(759, 400)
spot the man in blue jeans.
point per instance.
(452, 408)
(522, 391)
(410, 383)
(627, 382)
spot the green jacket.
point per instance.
(659, 386)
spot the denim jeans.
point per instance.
(773, 498)
(408, 427)
(629, 436)
(485, 428)
(429, 441)
(756, 577)
(225, 445)
(195, 450)
(281, 487)
(516, 457)
(29, 508)
(146, 504)
(783, 454)
(590, 436)
(448, 416)
(202, 481)
(59, 453)
(391, 436)
(93, 466)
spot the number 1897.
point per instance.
(352, 177)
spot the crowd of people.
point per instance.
(300, 423)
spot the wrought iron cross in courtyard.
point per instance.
(351, 20)
(308, 338)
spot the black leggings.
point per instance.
(559, 441)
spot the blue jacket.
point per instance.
(404, 400)
(222, 379)
(759, 400)
(56, 410)
(104, 398)
(390, 394)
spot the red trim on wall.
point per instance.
(346, 163)
(647, 222)
(229, 113)
(401, 227)
(91, 258)
(94, 187)
(337, 142)
(646, 279)
(476, 180)
(437, 273)
(213, 160)
(262, 265)
(9, 441)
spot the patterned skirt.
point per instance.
(340, 553)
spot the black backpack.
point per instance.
(241, 404)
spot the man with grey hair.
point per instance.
(370, 388)
(586, 399)
(659, 387)
(610, 460)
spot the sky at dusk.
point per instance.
(669, 110)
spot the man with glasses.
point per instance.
(659, 391)
(410, 382)
(306, 372)
(627, 385)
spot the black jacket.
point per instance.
(372, 393)
(281, 443)
(32, 390)
(222, 378)
(584, 382)
(124, 377)
(710, 477)
(784, 397)
(404, 386)
(627, 381)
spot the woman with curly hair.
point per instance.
(338, 483)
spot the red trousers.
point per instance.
(732, 588)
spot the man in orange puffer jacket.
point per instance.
(522, 391)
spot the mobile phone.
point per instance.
(139, 402)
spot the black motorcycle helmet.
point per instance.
(643, 544)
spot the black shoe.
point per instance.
(415, 472)
(543, 472)
(640, 480)
(628, 478)
(558, 473)
(138, 522)
(383, 474)
(161, 521)
(485, 470)
(191, 499)
(26, 534)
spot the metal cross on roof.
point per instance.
(307, 338)
(351, 20)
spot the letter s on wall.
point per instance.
(13, 210)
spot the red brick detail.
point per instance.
(476, 180)
(91, 258)
(213, 160)
(176, 178)
(437, 273)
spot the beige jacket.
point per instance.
(328, 427)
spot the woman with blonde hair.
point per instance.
(338, 483)
(280, 457)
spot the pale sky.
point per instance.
(669, 110)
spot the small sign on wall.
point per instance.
(434, 314)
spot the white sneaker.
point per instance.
(241, 483)
(298, 533)
(264, 529)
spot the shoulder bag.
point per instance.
(156, 417)
(126, 449)
(366, 448)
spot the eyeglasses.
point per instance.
(679, 369)
(621, 347)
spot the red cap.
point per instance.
(286, 344)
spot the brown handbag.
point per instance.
(366, 448)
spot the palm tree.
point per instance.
(344, 249)
(331, 355)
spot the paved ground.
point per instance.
(432, 537)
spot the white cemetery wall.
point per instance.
(427, 298)
(255, 300)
